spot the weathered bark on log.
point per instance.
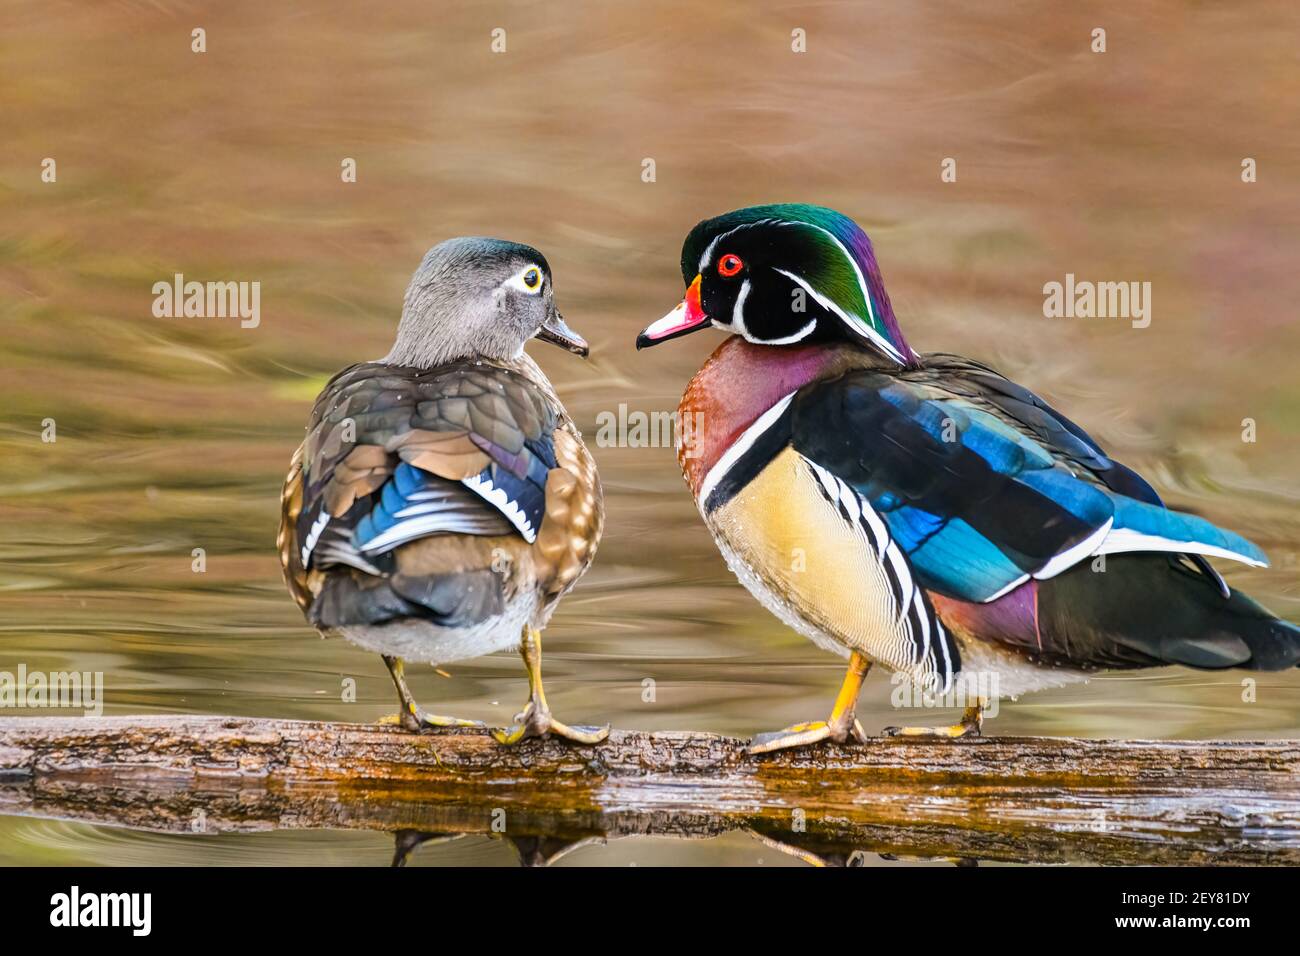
(994, 798)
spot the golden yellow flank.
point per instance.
(822, 568)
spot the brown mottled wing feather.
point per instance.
(471, 414)
(451, 422)
(286, 539)
(372, 416)
(575, 516)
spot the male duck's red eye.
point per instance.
(729, 265)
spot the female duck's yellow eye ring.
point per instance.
(532, 277)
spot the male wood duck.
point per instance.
(922, 511)
(443, 501)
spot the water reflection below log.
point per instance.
(1026, 800)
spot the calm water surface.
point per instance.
(174, 434)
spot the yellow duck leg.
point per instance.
(972, 719)
(535, 720)
(413, 716)
(842, 725)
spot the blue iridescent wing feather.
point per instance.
(979, 501)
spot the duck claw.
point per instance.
(538, 722)
(801, 735)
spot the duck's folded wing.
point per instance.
(979, 500)
(395, 455)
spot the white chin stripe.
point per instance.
(799, 336)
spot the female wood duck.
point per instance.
(922, 511)
(443, 501)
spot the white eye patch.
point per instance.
(530, 280)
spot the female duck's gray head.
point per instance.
(475, 297)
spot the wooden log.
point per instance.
(994, 798)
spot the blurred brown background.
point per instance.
(175, 433)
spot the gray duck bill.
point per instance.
(555, 331)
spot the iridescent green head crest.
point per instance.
(782, 275)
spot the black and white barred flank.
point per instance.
(922, 640)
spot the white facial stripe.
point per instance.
(861, 326)
(862, 280)
(738, 323)
(740, 446)
(854, 324)
(708, 252)
(738, 311)
(799, 336)
(517, 283)
(857, 271)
